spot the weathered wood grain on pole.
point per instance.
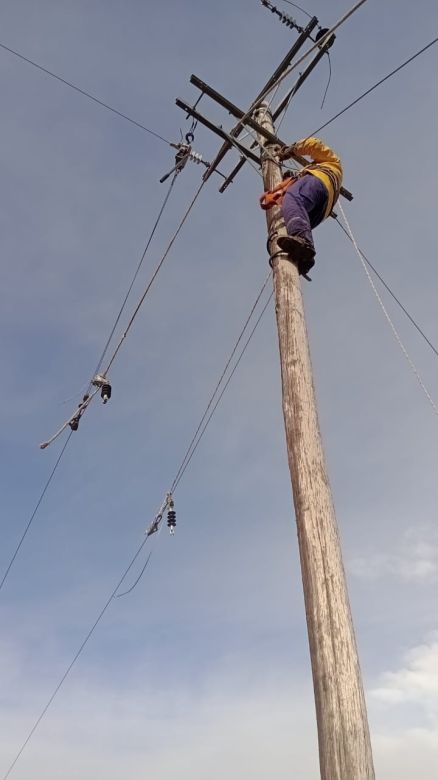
(343, 733)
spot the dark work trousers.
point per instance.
(304, 206)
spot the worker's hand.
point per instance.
(285, 152)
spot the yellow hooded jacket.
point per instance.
(325, 165)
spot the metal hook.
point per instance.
(189, 138)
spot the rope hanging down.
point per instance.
(387, 316)
(101, 380)
(377, 84)
(324, 38)
(303, 10)
(392, 294)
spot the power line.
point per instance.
(135, 583)
(178, 480)
(218, 384)
(75, 658)
(84, 405)
(195, 441)
(378, 83)
(35, 510)
(52, 474)
(141, 546)
(329, 79)
(392, 294)
(137, 271)
(318, 45)
(153, 277)
(84, 92)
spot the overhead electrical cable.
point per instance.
(324, 38)
(137, 580)
(134, 277)
(203, 424)
(134, 558)
(35, 510)
(75, 657)
(260, 101)
(377, 84)
(153, 277)
(387, 316)
(102, 378)
(207, 422)
(52, 474)
(218, 384)
(85, 93)
(392, 294)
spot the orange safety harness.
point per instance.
(275, 197)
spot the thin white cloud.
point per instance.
(414, 560)
(404, 708)
(226, 729)
(416, 681)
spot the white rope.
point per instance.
(391, 324)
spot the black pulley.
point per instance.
(323, 31)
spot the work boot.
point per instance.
(300, 252)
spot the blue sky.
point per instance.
(203, 671)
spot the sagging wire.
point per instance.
(155, 528)
(374, 86)
(322, 34)
(323, 40)
(168, 503)
(329, 79)
(75, 658)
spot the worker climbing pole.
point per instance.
(303, 201)
(344, 740)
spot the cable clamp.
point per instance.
(156, 522)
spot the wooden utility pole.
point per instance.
(343, 733)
